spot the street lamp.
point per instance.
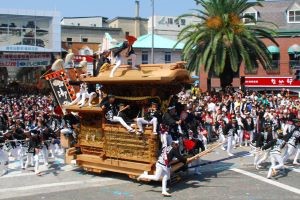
(152, 47)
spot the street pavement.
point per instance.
(222, 177)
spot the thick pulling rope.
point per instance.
(177, 166)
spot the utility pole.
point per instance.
(152, 32)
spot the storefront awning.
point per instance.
(273, 49)
(295, 48)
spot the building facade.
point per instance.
(165, 50)
(170, 26)
(92, 21)
(28, 38)
(84, 35)
(78, 38)
(286, 15)
(135, 26)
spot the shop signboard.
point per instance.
(266, 82)
(25, 59)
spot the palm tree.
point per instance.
(223, 41)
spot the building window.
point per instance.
(294, 16)
(294, 62)
(275, 67)
(170, 20)
(145, 57)
(84, 40)
(253, 14)
(87, 52)
(69, 42)
(294, 57)
(167, 57)
(182, 22)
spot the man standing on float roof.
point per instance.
(123, 53)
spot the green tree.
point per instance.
(222, 41)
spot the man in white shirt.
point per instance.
(211, 107)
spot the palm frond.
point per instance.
(222, 40)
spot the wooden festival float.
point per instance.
(109, 147)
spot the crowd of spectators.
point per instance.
(191, 115)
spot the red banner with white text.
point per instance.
(271, 82)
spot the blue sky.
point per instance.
(106, 8)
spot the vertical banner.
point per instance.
(64, 93)
(60, 91)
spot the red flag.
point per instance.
(130, 39)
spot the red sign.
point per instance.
(78, 58)
(271, 82)
(25, 59)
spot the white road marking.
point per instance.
(56, 187)
(43, 169)
(14, 169)
(275, 183)
(292, 168)
(66, 168)
(247, 155)
(40, 186)
(16, 174)
(295, 170)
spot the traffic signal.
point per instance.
(297, 73)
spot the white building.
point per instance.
(93, 21)
(165, 50)
(29, 31)
(27, 39)
(169, 26)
